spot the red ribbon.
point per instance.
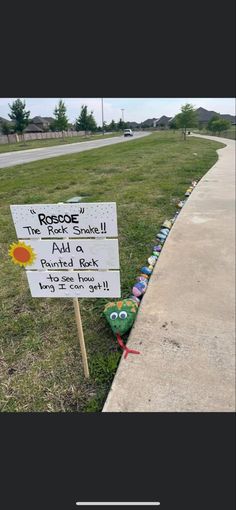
(123, 346)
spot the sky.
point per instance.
(135, 109)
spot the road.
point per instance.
(26, 156)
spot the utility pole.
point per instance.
(122, 109)
(102, 119)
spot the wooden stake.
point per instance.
(81, 337)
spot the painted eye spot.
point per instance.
(113, 316)
(123, 315)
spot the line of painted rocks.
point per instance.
(140, 287)
(142, 280)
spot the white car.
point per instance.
(128, 132)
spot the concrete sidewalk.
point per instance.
(186, 324)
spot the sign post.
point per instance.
(81, 337)
(69, 250)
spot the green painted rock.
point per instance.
(121, 315)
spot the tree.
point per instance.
(121, 125)
(112, 126)
(173, 124)
(91, 123)
(19, 115)
(52, 126)
(187, 118)
(210, 122)
(61, 121)
(86, 121)
(219, 125)
(81, 121)
(6, 129)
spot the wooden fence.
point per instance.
(14, 138)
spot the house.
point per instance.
(33, 128)
(132, 125)
(42, 122)
(205, 115)
(2, 120)
(149, 123)
(163, 122)
(230, 118)
(5, 121)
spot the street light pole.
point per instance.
(102, 118)
(122, 109)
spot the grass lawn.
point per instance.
(50, 142)
(40, 362)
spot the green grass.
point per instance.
(51, 142)
(40, 361)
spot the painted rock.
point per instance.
(165, 231)
(158, 247)
(141, 278)
(194, 183)
(139, 288)
(146, 270)
(150, 268)
(167, 224)
(152, 260)
(161, 237)
(156, 254)
(146, 276)
(135, 299)
(180, 204)
(188, 192)
(121, 315)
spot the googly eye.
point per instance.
(113, 316)
(123, 315)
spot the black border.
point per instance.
(186, 460)
(178, 49)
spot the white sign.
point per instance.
(78, 284)
(96, 219)
(74, 254)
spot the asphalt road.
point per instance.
(26, 156)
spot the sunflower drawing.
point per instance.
(22, 254)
